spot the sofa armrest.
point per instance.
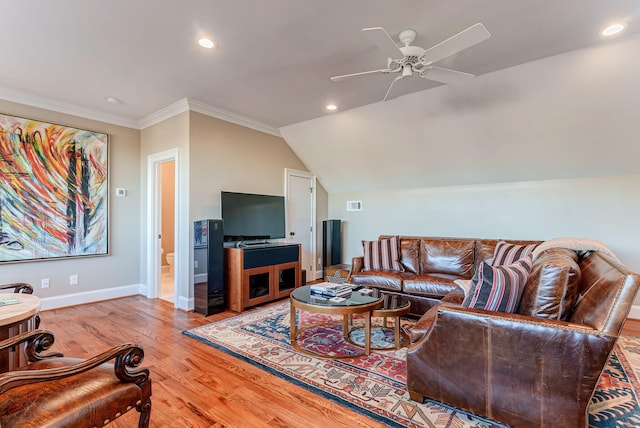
(357, 263)
(422, 326)
(480, 361)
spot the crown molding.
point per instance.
(186, 104)
(228, 116)
(66, 108)
(174, 109)
(164, 113)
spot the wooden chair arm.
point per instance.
(126, 356)
(37, 341)
(18, 287)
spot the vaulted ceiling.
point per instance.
(274, 58)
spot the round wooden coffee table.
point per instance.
(16, 318)
(302, 298)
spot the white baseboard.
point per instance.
(635, 312)
(185, 303)
(91, 296)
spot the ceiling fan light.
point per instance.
(612, 29)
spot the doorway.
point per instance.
(300, 192)
(167, 227)
(163, 232)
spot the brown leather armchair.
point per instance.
(523, 370)
(53, 391)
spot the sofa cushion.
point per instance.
(552, 287)
(507, 253)
(484, 249)
(431, 285)
(448, 256)
(383, 254)
(410, 254)
(383, 279)
(498, 288)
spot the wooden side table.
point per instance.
(16, 319)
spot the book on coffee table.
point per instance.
(331, 289)
(6, 301)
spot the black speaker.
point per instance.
(208, 275)
(331, 243)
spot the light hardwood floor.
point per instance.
(195, 385)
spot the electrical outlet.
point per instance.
(195, 264)
(45, 283)
(73, 280)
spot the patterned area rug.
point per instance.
(376, 385)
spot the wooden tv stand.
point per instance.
(261, 274)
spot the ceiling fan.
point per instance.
(408, 59)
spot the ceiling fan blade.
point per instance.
(445, 75)
(344, 76)
(395, 79)
(384, 41)
(454, 44)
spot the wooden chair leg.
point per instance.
(145, 414)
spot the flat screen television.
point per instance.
(251, 217)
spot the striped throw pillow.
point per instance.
(383, 254)
(498, 288)
(506, 253)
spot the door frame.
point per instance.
(288, 172)
(154, 224)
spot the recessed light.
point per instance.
(331, 107)
(612, 29)
(112, 100)
(206, 43)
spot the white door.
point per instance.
(301, 201)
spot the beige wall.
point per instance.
(225, 156)
(122, 266)
(214, 155)
(169, 134)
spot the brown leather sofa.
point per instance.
(431, 265)
(54, 391)
(538, 367)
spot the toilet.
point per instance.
(170, 262)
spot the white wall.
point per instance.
(99, 277)
(605, 209)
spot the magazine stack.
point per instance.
(329, 289)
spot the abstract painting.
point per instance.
(53, 191)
